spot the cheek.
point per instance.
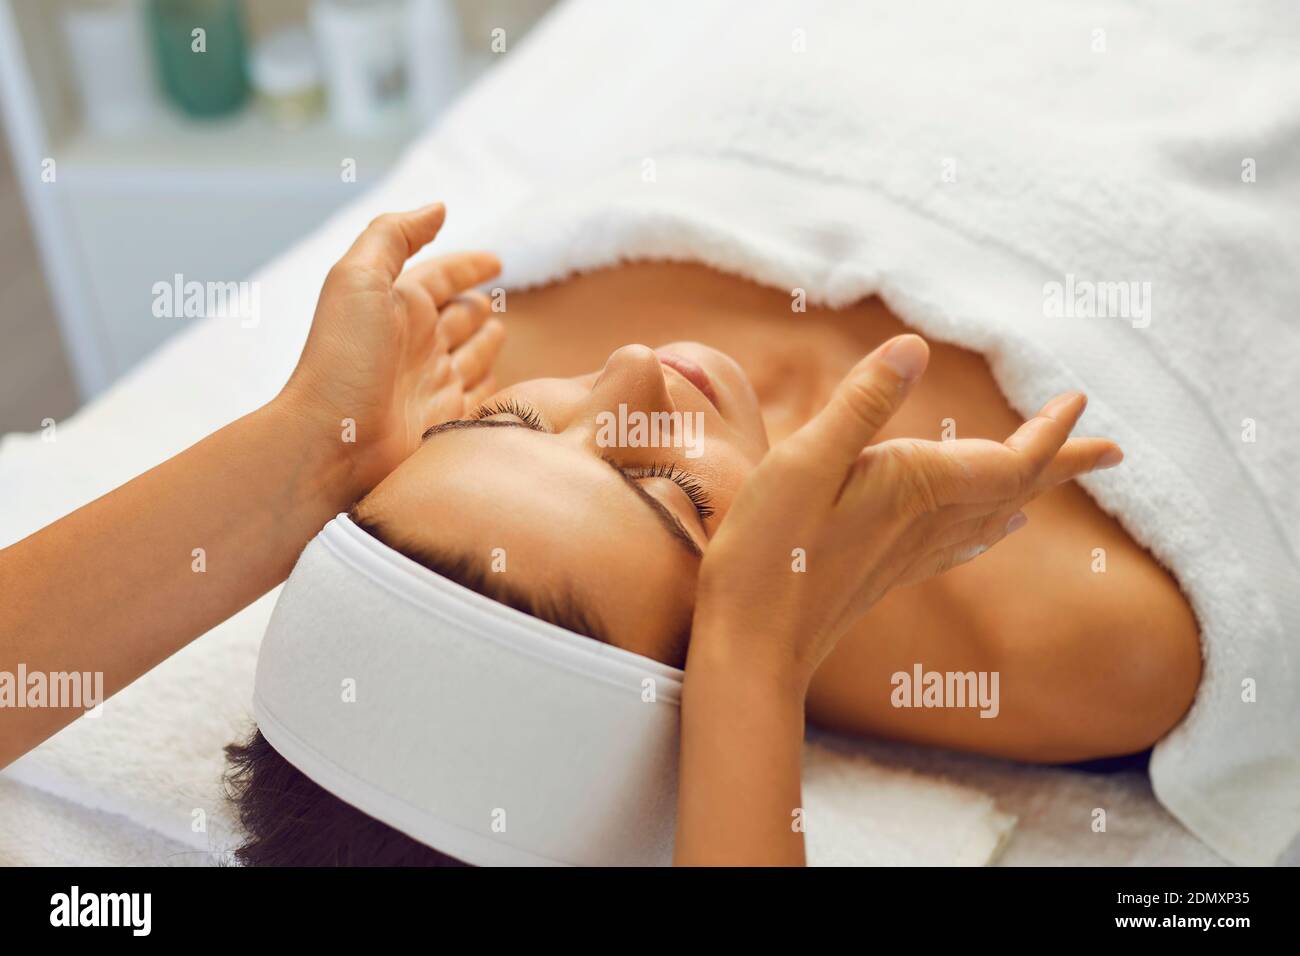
(726, 474)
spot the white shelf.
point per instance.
(212, 199)
(246, 150)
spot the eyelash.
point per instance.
(687, 482)
(509, 406)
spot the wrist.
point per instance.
(327, 472)
(759, 657)
(737, 628)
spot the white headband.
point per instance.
(476, 729)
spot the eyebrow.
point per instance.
(672, 524)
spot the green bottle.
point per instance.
(200, 49)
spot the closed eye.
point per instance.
(691, 485)
(526, 413)
(532, 418)
(665, 515)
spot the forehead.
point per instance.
(555, 518)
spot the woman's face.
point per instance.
(603, 488)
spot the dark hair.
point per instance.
(289, 819)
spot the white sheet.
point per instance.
(1094, 163)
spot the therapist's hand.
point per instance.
(393, 352)
(115, 587)
(868, 517)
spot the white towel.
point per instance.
(961, 164)
(824, 170)
(39, 829)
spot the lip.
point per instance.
(692, 372)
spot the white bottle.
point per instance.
(433, 41)
(363, 51)
(109, 51)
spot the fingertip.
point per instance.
(1066, 403)
(427, 222)
(907, 355)
(419, 228)
(1109, 458)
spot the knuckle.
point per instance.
(1025, 476)
(869, 400)
(343, 275)
(915, 484)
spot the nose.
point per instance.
(632, 376)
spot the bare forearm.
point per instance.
(124, 582)
(741, 748)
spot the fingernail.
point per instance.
(907, 357)
(1110, 458)
(1017, 521)
(1063, 401)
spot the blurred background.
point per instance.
(142, 138)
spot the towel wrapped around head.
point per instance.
(481, 731)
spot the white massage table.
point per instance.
(141, 784)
